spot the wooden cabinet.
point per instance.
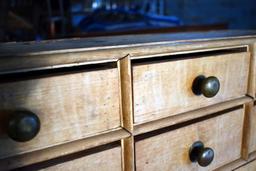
(150, 102)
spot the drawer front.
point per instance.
(252, 133)
(109, 160)
(69, 107)
(165, 88)
(170, 150)
(248, 167)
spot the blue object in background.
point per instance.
(238, 14)
(124, 20)
(78, 16)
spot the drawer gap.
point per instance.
(167, 58)
(183, 124)
(63, 159)
(28, 75)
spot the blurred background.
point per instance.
(36, 20)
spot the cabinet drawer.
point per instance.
(107, 160)
(164, 89)
(69, 107)
(222, 133)
(248, 167)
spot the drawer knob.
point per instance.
(209, 86)
(200, 154)
(23, 126)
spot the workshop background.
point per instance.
(30, 20)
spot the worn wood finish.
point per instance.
(63, 149)
(108, 160)
(183, 117)
(164, 89)
(169, 151)
(126, 93)
(70, 107)
(248, 167)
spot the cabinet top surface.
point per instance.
(98, 43)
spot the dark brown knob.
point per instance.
(200, 154)
(209, 86)
(23, 126)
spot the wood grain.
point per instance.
(169, 151)
(108, 160)
(164, 89)
(70, 107)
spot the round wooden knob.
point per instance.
(200, 154)
(23, 126)
(209, 86)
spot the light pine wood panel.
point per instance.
(70, 107)
(252, 129)
(169, 151)
(108, 160)
(248, 167)
(164, 89)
